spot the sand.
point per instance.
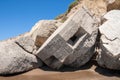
(87, 72)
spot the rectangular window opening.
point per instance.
(73, 40)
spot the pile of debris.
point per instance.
(72, 43)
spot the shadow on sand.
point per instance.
(88, 66)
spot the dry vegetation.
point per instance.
(63, 16)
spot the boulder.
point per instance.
(42, 30)
(109, 53)
(72, 43)
(14, 59)
(27, 43)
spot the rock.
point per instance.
(72, 43)
(14, 59)
(42, 30)
(27, 43)
(113, 4)
(109, 53)
(112, 15)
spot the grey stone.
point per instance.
(42, 30)
(72, 43)
(109, 52)
(27, 43)
(14, 59)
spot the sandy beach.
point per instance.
(87, 72)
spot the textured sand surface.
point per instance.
(87, 72)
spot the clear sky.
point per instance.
(18, 16)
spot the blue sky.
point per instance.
(18, 16)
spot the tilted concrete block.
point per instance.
(72, 43)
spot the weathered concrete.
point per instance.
(72, 43)
(109, 53)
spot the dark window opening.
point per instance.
(76, 36)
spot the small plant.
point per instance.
(73, 4)
(60, 16)
(63, 17)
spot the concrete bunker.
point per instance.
(73, 40)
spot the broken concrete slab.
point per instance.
(72, 43)
(109, 53)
